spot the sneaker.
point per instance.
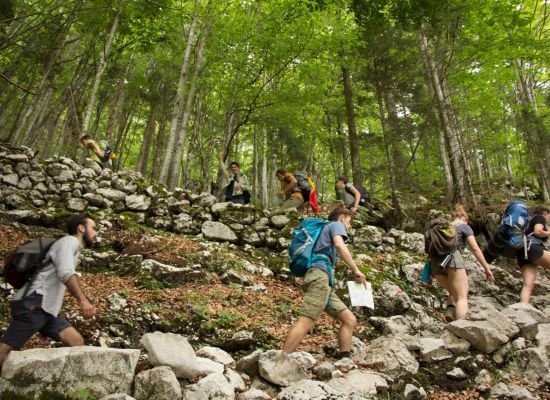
(450, 313)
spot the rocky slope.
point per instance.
(211, 280)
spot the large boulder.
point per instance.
(214, 386)
(486, 328)
(217, 231)
(174, 351)
(526, 317)
(390, 356)
(100, 371)
(307, 389)
(278, 367)
(360, 382)
(158, 383)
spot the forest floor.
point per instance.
(270, 312)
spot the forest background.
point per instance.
(432, 97)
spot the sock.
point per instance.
(344, 354)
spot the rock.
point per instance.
(249, 364)
(65, 176)
(205, 200)
(76, 205)
(24, 184)
(305, 359)
(254, 394)
(307, 389)
(158, 383)
(171, 350)
(10, 179)
(389, 356)
(531, 363)
(111, 194)
(235, 380)
(173, 276)
(455, 344)
(216, 354)
(279, 221)
(457, 374)
(87, 173)
(117, 302)
(391, 300)
(485, 328)
(218, 232)
(277, 367)
(233, 276)
(360, 382)
(433, 350)
(117, 396)
(213, 386)
(514, 392)
(543, 339)
(183, 223)
(324, 370)
(138, 202)
(97, 370)
(414, 393)
(262, 384)
(526, 317)
(242, 340)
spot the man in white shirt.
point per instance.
(37, 309)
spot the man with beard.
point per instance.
(36, 308)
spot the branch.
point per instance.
(15, 84)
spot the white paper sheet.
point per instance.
(360, 294)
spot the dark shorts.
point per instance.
(29, 318)
(456, 262)
(319, 296)
(535, 252)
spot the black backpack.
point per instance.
(365, 196)
(24, 263)
(303, 184)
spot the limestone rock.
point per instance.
(389, 356)
(360, 382)
(414, 393)
(216, 354)
(307, 389)
(138, 202)
(171, 350)
(279, 368)
(111, 194)
(100, 371)
(433, 350)
(158, 383)
(213, 386)
(218, 232)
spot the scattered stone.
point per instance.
(414, 393)
(278, 367)
(158, 383)
(457, 374)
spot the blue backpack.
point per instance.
(303, 241)
(514, 223)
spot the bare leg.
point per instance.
(544, 261)
(4, 351)
(529, 275)
(70, 337)
(345, 334)
(458, 287)
(298, 331)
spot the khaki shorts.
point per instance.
(456, 262)
(319, 296)
(294, 201)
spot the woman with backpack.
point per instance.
(537, 253)
(449, 269)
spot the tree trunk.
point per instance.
(175, 171)
(387, 131)
(533, 128)
(177, 111)
(352, 128)
(149, 134)
(25, 124)
(265, 179)
(103, 55)
(463, 191)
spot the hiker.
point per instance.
(102, 157)
(36, 309)
(236, 189)
(449, 269)
(349, 193)
(319, 293)
(291, 191)
(537, 253)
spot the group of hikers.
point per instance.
(37, 304)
